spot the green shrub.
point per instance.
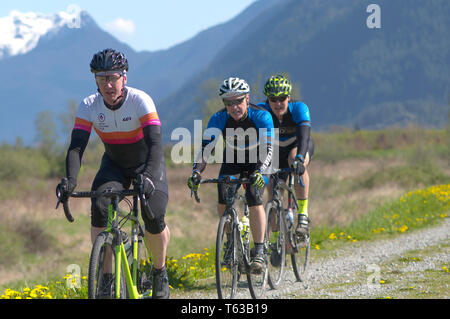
(19, 163)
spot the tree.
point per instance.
(68, 118)
(46, 139)
(209, 99)
(47, 136)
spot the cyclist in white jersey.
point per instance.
(127, 122)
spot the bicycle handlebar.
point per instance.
(289, 170)
(223, 180)
(64, 198)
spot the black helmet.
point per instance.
(108, 60)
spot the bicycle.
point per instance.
(280, 232)
(233, 253)
(112, 248)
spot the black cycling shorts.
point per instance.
(283, 153)
(253, 195)
(112, 176)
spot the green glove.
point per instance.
(194, 181)
(257, 180)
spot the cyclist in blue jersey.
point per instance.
(295, 144)
(247, 131)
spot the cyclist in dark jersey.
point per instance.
(295, 144)
(247, 131)
(126, 121)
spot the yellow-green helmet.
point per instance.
(277, 85)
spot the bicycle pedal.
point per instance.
(302, 240)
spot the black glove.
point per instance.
(66, 187)
(148, 186)
(299, 168)
(298, 165)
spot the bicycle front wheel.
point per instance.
(276, 243)
(226, 259)
(300, 257)
(257, 282)
(101, 277)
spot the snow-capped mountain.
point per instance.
(20, 32)
(46, 61)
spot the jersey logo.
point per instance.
(101, 117)
(128, 118)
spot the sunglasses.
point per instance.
(103, 79)
(275, 99)
(233, 102)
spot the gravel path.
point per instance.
(351, 261)
(366, 258)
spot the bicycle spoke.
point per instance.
(276, 244)
(226, 266)
(101, 278)
(257, 282)
(300, 258)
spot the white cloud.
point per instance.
(120, 25)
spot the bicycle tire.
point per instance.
(257, 283)
(300, 258)
(102, 243)
(226, 259)
(276, 237)
(144, 272)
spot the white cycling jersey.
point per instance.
(120, 130)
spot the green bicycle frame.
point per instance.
(130, 279)
(130, 276)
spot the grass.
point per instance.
(345, 143)
(365, 185)
(411, 211)
(414, 275)
(429, 281)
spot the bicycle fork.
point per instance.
(120, 251)
(130, 279)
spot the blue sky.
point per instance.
(170, 21)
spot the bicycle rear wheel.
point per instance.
(300, 257)
(226, 258)
(101, 281)
(276, 243)
(144, 270)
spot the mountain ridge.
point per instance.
(57, 70)
(343, 68)
(346, 73)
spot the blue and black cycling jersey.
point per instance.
(294, 128)
(247, 141)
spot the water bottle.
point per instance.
(245, 225)
(289, 218)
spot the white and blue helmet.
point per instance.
(233, 87)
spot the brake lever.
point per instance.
(300, 181)
(57, 203)
(197, 199)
